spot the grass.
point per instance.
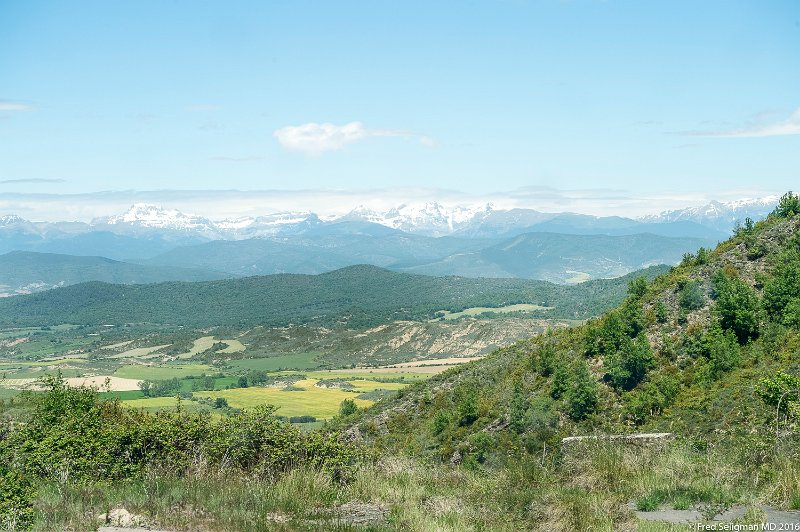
(139, 352)
(153, 404)
(588, 489)
(365, 374)
(234, 346)
(322, 403)
(198, 346)
(297, 361)
(162, 372)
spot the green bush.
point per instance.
(581, 397)
(736, 306)
(347, 407)
(788, 206)
(628, 366)
(691, 296)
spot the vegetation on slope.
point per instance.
(358, 295)
(684, 353)
(707, 351)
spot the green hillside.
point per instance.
(357, 295)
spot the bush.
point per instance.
(347, 408)
(737, 306)
(581, 397)
(691, 296)
(629, 365)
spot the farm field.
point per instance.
(162, 372)
(254, 366)
(322, 403)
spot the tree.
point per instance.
(581, 397)
(347, 407)
(561, 381)
(637, 288)
(736, 306)
(628, 366)
(788, 206)
(723, 350)
(220, 402)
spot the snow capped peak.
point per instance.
(431, 218)
(717, 214)
(11, 219)
(152, 216)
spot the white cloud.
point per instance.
(313, 139)
(14, 106)
(759, 128)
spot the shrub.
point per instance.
(737, 306)
(628, 366)
(691, 296)
(581, 397)
(661, 312)
(347, 407)
(788, 206)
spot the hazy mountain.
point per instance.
(563, 258)
(26, 272)
(719, 215)
(560, 258)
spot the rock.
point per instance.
(497, 425)
(362, 513)
(640, 439)
(352, 435)
(120, 517)
(456, 458)
(353, 514)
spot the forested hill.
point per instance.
(356, 295)
(704, 351)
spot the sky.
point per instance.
(656, 103)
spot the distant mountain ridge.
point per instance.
(430, 238)
(713, 220)
(23, 272)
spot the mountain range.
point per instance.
(153, 244)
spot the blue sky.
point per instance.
(649, 99)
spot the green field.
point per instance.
(322, 403)
(277, 363)
(366, 374)
(154, 404)
(475, 311)
(162, 372)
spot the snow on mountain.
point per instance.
(12, 219)
(719, 215)
(430, 218)
(146, 215)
